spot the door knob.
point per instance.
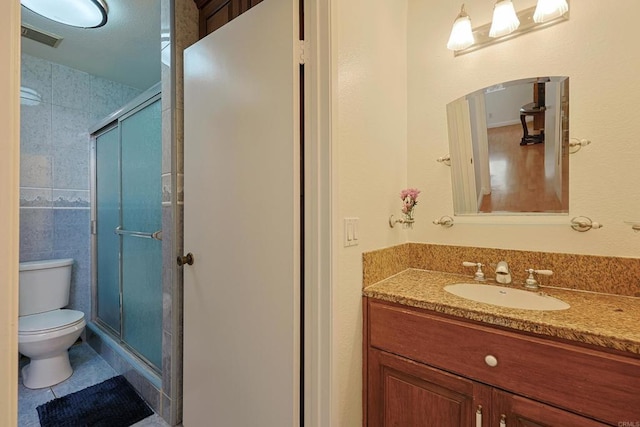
(185, 259)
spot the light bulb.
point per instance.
(505, 20)
(547, 10)
(461, 33)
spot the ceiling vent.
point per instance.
(40, 36)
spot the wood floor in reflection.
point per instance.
(518, 182)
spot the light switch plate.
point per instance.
(351, 232)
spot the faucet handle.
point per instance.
(543, 272)
(531, 281)
(479, 275)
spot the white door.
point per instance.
(463, 177)
(242, 222)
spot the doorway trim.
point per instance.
(318, 208)
(9, 209)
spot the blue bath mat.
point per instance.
(112, 403)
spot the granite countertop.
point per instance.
(603, 320)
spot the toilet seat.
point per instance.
(49, 321)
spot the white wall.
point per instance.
(599, 52)
(9, 181)
(371, 155)
(503, 106)
(369, 168)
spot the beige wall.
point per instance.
(376, 153)
(381, 130)
(9, 176)
(597, 49)
(369, 168)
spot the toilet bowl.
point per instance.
(45, 339)
(45, 330)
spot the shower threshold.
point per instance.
(123, 360)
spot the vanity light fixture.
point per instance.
(507, 23)
(461, 34)
(76, 13)
(547, 10)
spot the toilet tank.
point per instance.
(44, 285)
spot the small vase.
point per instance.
(408, 220)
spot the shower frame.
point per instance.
(112, 121)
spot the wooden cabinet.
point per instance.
(215, 13)
(426, 369)
(406, 393)
(518, 411)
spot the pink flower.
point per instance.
(412, 193)
(409, 201)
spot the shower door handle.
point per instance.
(185, 259)
(156, 235)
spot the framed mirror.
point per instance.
(509, 148)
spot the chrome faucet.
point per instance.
(531, 282)
(503, 275)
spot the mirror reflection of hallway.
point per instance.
(495, 166)
(518, 179)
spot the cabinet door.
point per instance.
(404, 393)
(518, 411)
(215, 13)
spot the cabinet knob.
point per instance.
(491, 360)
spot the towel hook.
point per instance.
(583, 223)
(577, 144)
(445, 221)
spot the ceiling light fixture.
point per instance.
(547, 10)
(461, 34)
(506, 24)
(505, 21)
(77, 13)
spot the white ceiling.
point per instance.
(125, 50)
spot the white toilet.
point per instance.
(45, 330)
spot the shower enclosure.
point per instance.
(126, 227)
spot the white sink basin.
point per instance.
(506, 297)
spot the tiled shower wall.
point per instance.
(54, 164)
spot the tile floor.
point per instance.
(88, 369)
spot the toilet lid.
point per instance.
(48, 321)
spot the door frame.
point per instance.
(319, 259)
(9, 208)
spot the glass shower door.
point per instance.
(142, 215)
(107, 219)
(128, 215)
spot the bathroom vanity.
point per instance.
(434, 359)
